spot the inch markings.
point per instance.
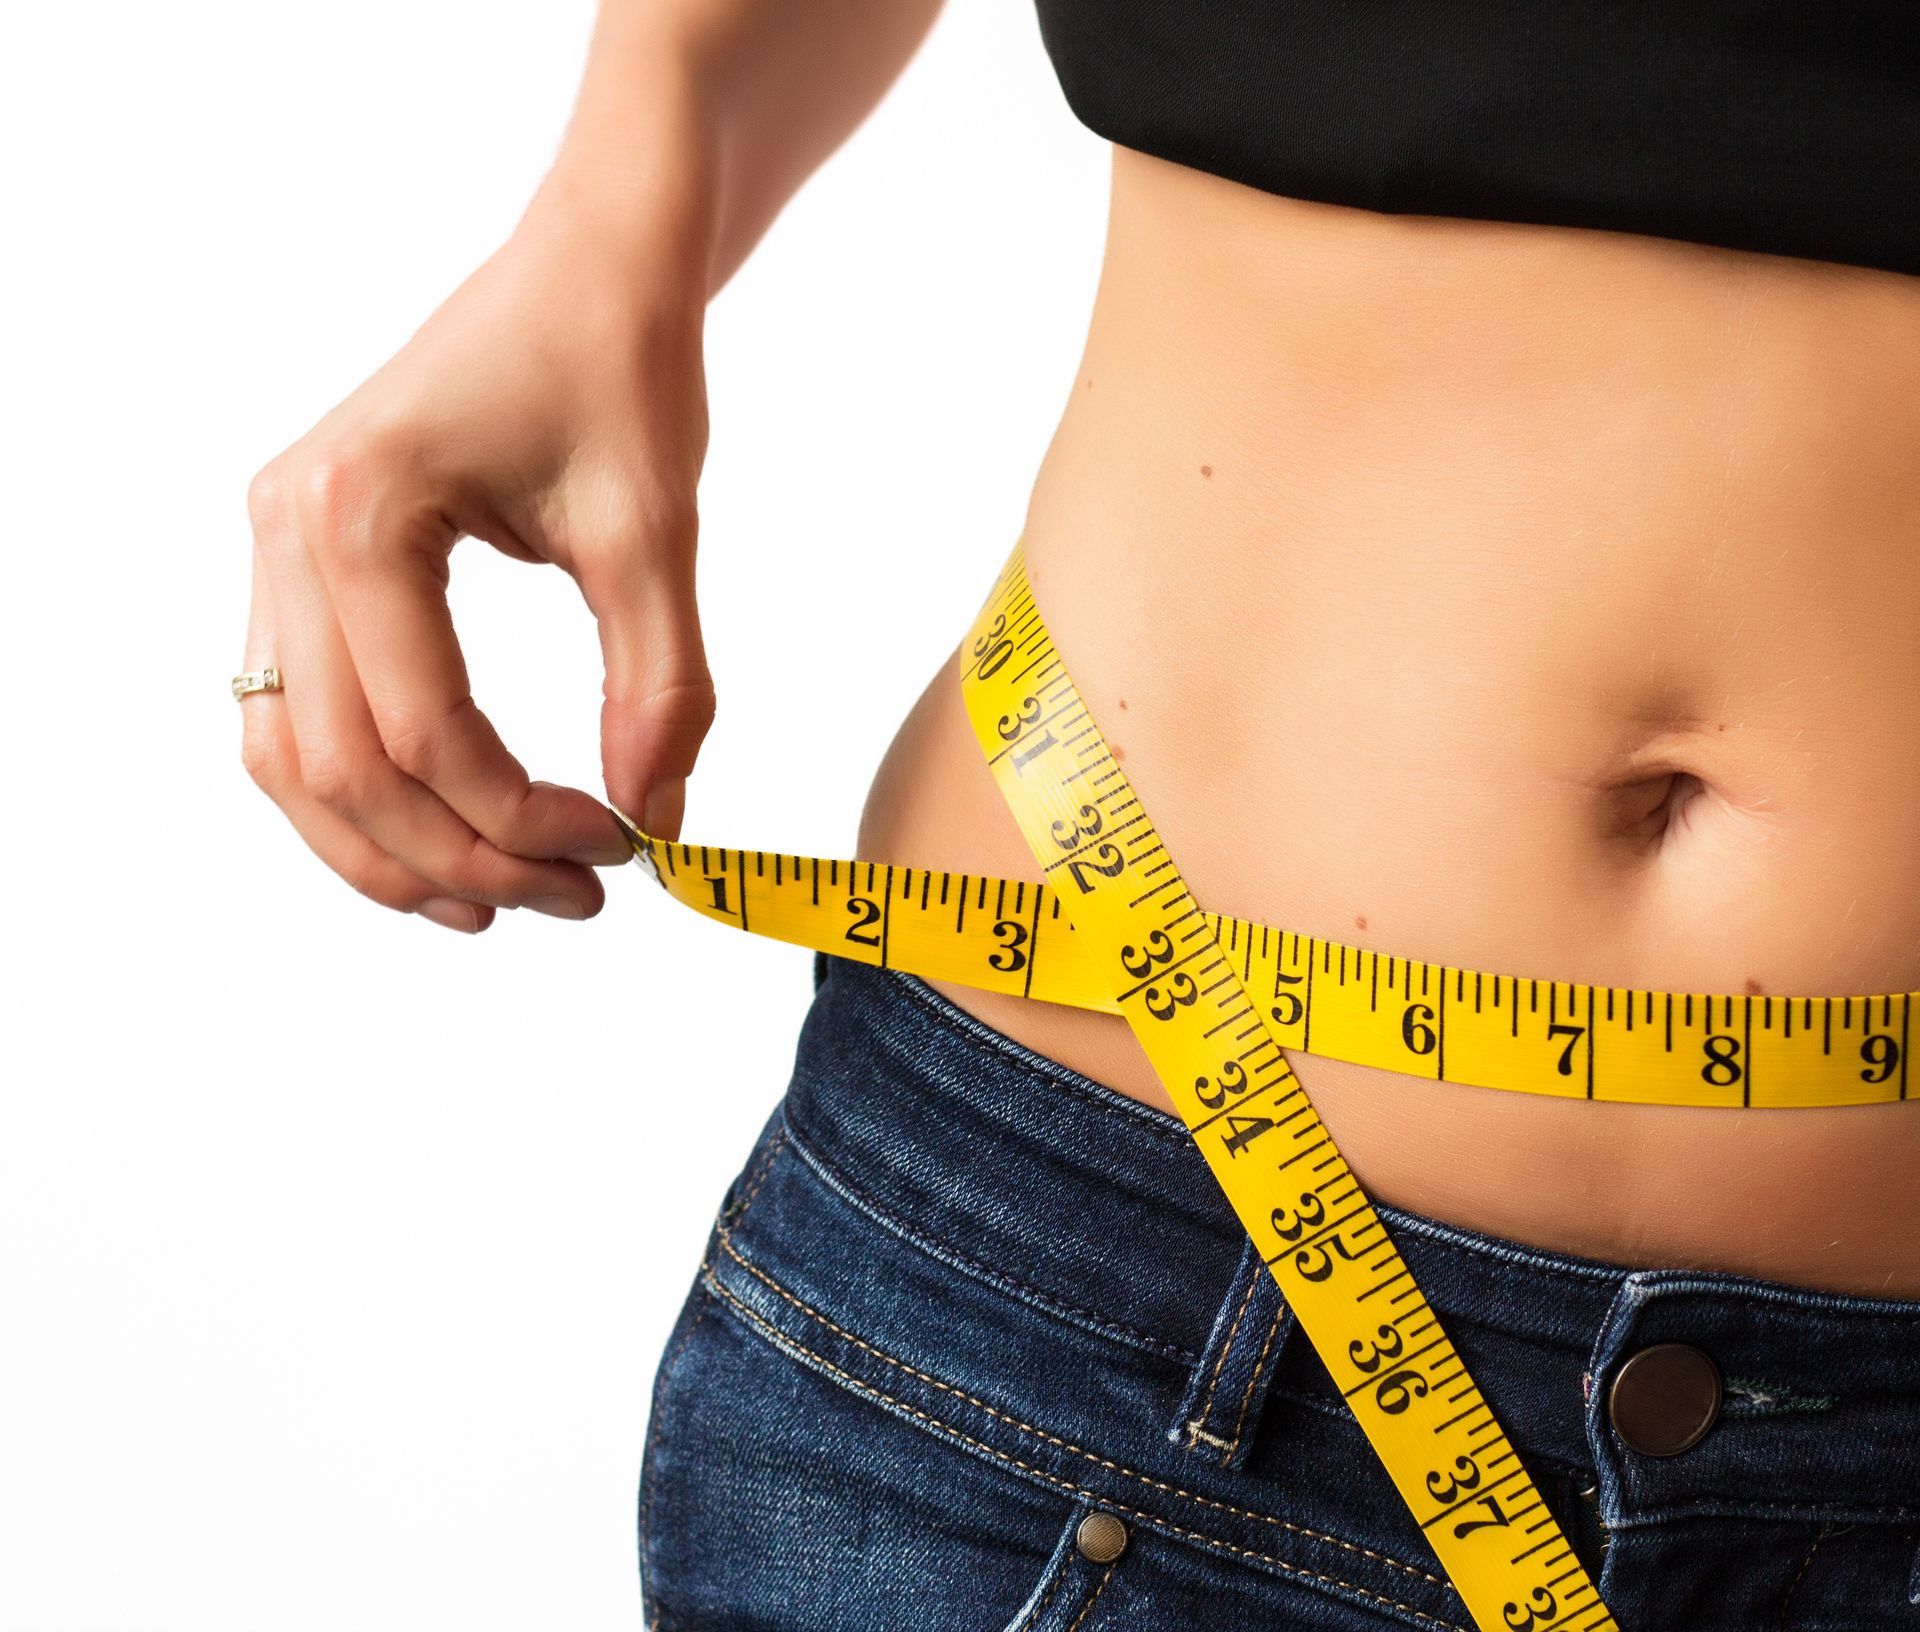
(1423, 1020)
(1328, 1250)
(1122, 935)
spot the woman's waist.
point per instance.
(962, 1139)
(1304, 807)
(1004, 1253)
(1021, 1176)
(1688, 769)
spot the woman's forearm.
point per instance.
(704, 117)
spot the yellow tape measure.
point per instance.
(1214, 1000)
(1318, 996)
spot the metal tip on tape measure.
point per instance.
(641, 842)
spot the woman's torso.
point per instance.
(1530, 599)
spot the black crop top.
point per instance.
(1791, 126)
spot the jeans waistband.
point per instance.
(1031, 1174)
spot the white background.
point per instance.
(337, 1252)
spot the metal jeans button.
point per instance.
(1664, 1398)
(1101, 1537)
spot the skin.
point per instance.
(1533, 600)
(554, 407)
(1527, 598)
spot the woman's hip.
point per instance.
(977, 1341)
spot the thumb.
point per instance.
(659, 695)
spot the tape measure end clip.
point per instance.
(642, 845)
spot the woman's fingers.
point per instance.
(383, 557)
(267, 750)
(343, 765)
(273, 763)
(660, 698)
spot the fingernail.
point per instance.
(608, 853)
(558, 906)
(450, 914)
(666, 805)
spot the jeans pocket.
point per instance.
(1082, 1563)
(775, 1499)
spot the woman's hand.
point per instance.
(555, 406)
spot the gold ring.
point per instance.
(256, 680)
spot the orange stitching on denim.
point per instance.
(1195, 1431)
(756, 1179)
(650, 1610)
(1253, 1378)
(1801, 1574)
(789, 1344)
(1220, 1359)
(1027, 1620)
(1086, 1609)
(1054, 1439)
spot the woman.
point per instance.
(1482, 521)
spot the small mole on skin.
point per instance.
(1359, 923)
(1206, 470)
(1089, 383)
(1754, 988)
(1118, 751)
(1123, 702)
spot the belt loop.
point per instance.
(1220, 1410)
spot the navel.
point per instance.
(1652, 810)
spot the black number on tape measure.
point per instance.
(1882, 1055)
(1720, 1058)
(1034, 750)
(1014, 933)
(1290, 1016)
(1069, 834)
(1370, 1354)
(1232, 1079)
(1290, 1226)
(991, 649)
(1495, 1519)
(1246, 1129)
(1108, 862)
(1573, 1034)
(1444, 1487)
(864, 912)
(1139, 963)
(1541, 1605)
(1414, 1030)
(1316, 1263)
(1178, 993)
(719, 888)
(1011, 725)
(1399, 1389)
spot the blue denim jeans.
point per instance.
(960, 1297)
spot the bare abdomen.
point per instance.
(1533, 600)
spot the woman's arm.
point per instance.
(556, 407)
(767, 89)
